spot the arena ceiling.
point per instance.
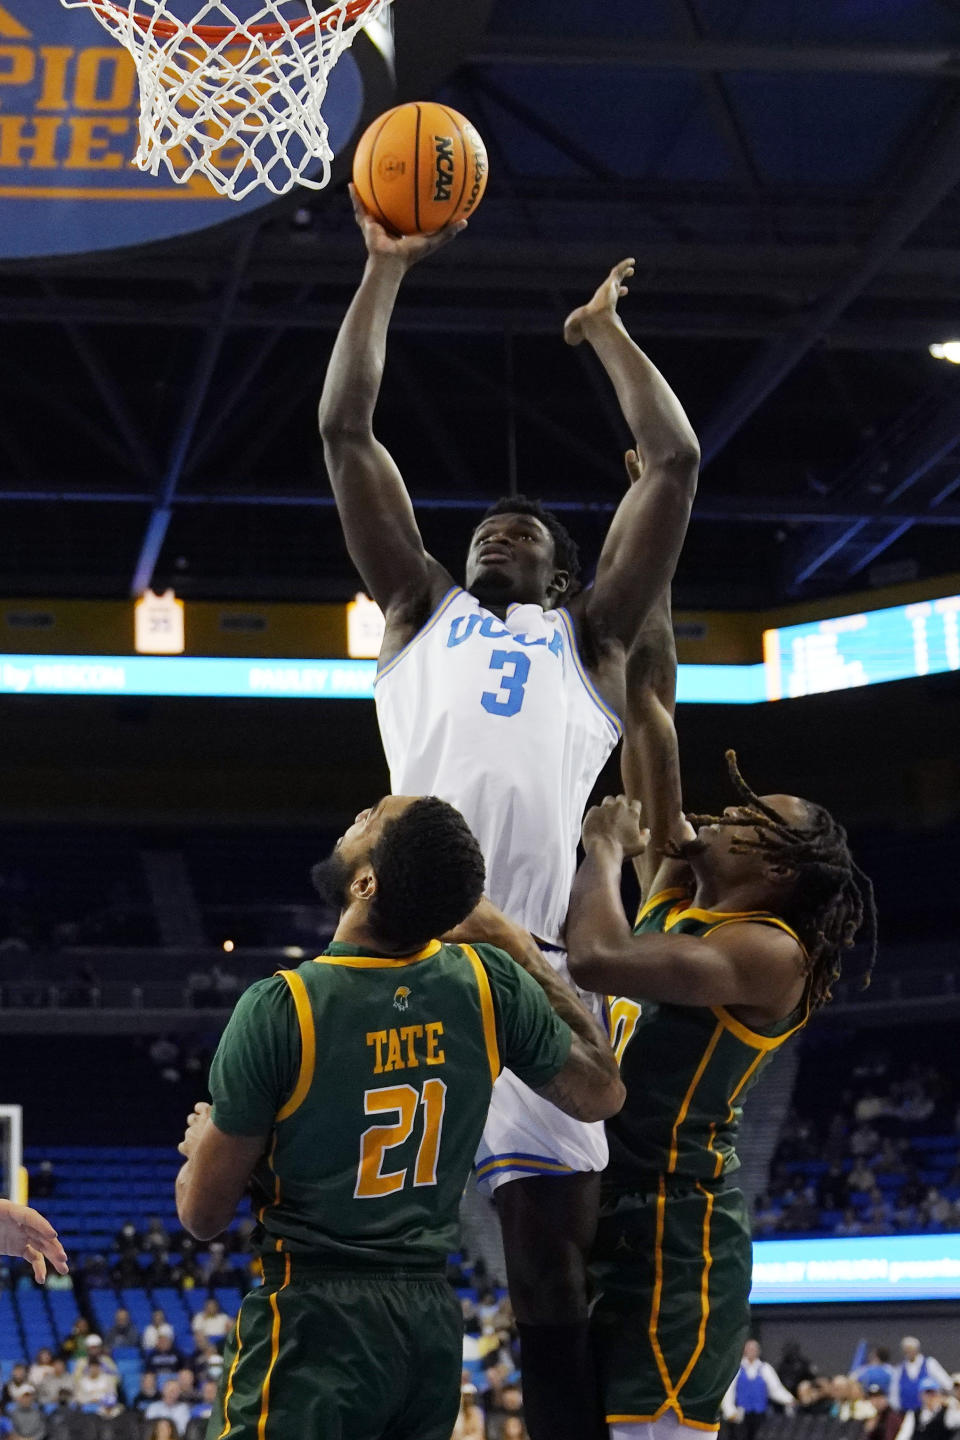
(785, 175)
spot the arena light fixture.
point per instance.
(946, 350)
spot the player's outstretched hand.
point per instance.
(408, 249)
(26, 1233)
(197, 1122)
(603, 305)
(616, 822)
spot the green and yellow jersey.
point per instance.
(373, 1076)
(687, 1069)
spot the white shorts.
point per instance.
(526, 1135)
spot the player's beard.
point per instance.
(331, 880)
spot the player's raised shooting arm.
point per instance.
(650, 761)
(27, 1233)
(588, 1086)
(643, 544)
(378, 521)
(745, 964)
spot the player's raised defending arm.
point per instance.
(375, 510)
(589, 1085)
(642, 546)
(27, 1233)
(745, 964)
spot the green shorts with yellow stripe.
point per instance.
(672, 1268)
(326, 1354)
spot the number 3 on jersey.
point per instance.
(516, 671)
(403, 1100)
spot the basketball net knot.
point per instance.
(238, 101)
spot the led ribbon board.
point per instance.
(281, 679)
(880, 1267)
(900, 643)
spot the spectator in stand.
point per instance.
(155, 1237)
(935, 1419)
(508, 1405)
(212, 1321)
(187, 1381)
(41, 1368)
(122, 1332)
(469, 1424)
(163, 1429)
(766, 1216)
(813, 1396)
(159, 1325)
(877, 1371)
(95, 1351)
(849, 1402)
(148, 1392)
(861, 1177)
(514, 1429)
(879, 1217)
(75, 1345)
(751, 1391)
(43, 1181)
(219, 1268)
(871, 1106)
(889, 1159)
(201, 1411)
(18, 1382)
(885, 1422)
(864, 1140)
(207, 1361)
(937, 1209)
(914, 1369)
(171, 1406)
(794, 1366)
(833, 1189)
(26, 1418)
(127, 1241)
(62, 1418)
(57, 1383)
(916, 1106)
(95, 1386)
(165, 1359)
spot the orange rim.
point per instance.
(217, 34)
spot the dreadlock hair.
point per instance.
(834, 897)
(565, 548)
(430, 873)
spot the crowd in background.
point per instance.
(875, 1400)
(83, 1390)
(859, 1169)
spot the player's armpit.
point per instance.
(585, 1087)
(211, 1183)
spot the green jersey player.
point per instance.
(739, 938)
(350, 1095)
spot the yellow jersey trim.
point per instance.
(705, 1059)
(588, 685)
(704, 1289)
(274, 1351)
(308, 1042)
(750, 1037)
(228, 1393)
(378, 962)
(447, 600)
(654, 1325)
(648, 905)
(487, 1012)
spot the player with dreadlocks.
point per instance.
(739, 938)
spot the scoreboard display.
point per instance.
(900, 643)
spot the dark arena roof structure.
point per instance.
(785, 175)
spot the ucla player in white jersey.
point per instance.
(503, 697)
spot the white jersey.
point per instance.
(499, 718)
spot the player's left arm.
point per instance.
(217, 1172)
(643, 544)
(744, 964)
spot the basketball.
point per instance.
(419, 167)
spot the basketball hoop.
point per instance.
(239, 101)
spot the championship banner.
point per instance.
(69, 110)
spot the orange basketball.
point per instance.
(419, 167)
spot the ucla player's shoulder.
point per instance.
(412, 609)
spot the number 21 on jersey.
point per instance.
(403, 1101)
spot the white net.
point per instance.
(237, 100)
